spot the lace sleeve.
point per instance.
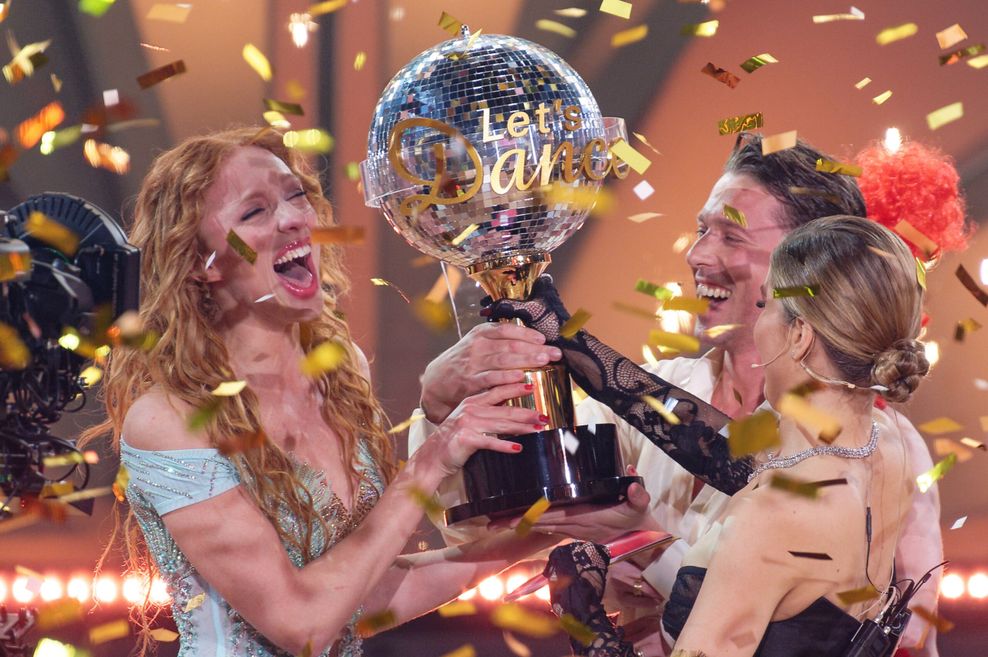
(694, 442)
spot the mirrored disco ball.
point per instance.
(493, 134)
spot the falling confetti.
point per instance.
(705, 29)
(854, 15)
(51, 232)
(753, 434)
(457, 608)
(643, 190)
(531, 516)
(951, 36)
(971, 285)
(338, 235)
(735, 215)
(660, 408)
(779, 142)
(644, 216)
(855, 596)
(755, 62)
(862, 83)
(257, 61)
(798, 291)
(401, 426)
(946, 114)
(926, 480)
(959, 522)
(161, 74)
(963, 53)
(373, 623)
(677, 341)
(897, 33)
(450, 23)
(809, 417)
(228, 388)
(555, 27)
(326, 357)
(359, 61)
(328, 7)
(109, 631)
(721, 75)
(828, 166)
(629, 36)
(169, 13)
(572, 325)
(241, 247)
(740, 123)
(631, 156)
(517, 618)
(939, 426)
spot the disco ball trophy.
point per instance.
(482, 153)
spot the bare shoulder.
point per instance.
(158, 421)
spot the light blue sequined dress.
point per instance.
(165, 481)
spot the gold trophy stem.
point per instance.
(512, 278)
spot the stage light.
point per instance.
(78, 588)
(952, 586)
(3, 591)
(159, 592)
(893, 140)
(51, 589)
(20, 590)
(543, 593)
(105, 589)
(491, 588)
(977, 586)
(514, 581)
(300, 25)
(932, 349)
(133, 589)
(469, 594)
(52, 648)
(984, 271)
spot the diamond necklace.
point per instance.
(799, 457)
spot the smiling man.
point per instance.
(729, 260)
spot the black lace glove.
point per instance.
(577, 574)
(612, 379)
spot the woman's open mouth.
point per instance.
(296, 271)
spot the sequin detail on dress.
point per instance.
(166, 481)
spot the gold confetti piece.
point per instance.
(740, 123)
(640, 137)
(5, 10)
(755, 62)
(241, 247)
(435, 315)
(942, 624)
(577, 630)
(951, 36)
(906, 231)
(644, 216)
(735, 215)
(384, 283)
(450, 23)
(717, 331)
(120, 484)
(814, 420)
(972, 286)
(926, 480)
(721, 75)
(964, 328)
(276, 120)
(457, 608)
(677, 341)
(195, 602)
(326, 357)
(819, 556)
(95, 8)
(978, 62)
(556, 27)
(531, 516)
(456, 241)
(401, 426)
(257, 61)
(30, 131)
(799, 291)
(25, 60)
(752, 434)
(444, 284)
(862, 83)
(959, 522)
(117, 629)
(921, 274)
(328, 7)
(945, 446)
(51, 232)
(974, 444)
(629, 154)
(661, 409)
(432, 508)
(854, 15)
(658, 291)
(897, 33)
(359, 60)
(59, 613)
(465, 650)
(687, 304)
(855, 596)
(160, 74)
(112, 158)
(882, 97)
(338, 235)
(618, 8)
(63, 459)
(585, 198)
(515, 645)
(571, 12)
(373, 623)
(779, 142)
(163, 635)
(229, 388)
(962, 53)
(574, 323)
(946, 114)
(313, 140)
(705, 29)
(829, 166)
(91, 376)
(629, 36)
(517, 618)
(939, 426)
(169, 13)
(283, 107)
(794, 486)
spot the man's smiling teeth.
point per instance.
(300, 252)
(704, 290)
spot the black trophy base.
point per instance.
(588, 470)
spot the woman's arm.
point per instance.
(689, 433)
(237, 550)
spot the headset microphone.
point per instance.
(767, 363)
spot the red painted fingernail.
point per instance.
(544, 419)
(516, 447)
(529, 386)
(539, 427)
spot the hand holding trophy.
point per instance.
(482, 153)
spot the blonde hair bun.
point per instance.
(900, 368)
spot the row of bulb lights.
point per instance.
(132, 589)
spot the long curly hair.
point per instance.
(190, 357)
